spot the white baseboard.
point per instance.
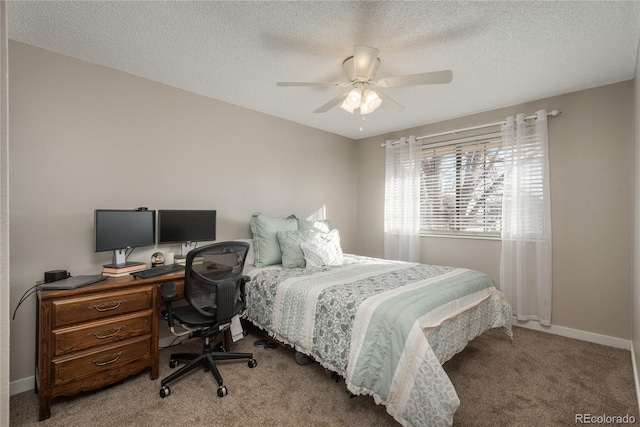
(635, 373)
(22, 385)
(576, 333)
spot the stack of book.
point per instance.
(180, 260)
(119, 270)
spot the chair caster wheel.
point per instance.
(164, 392)
(252, 363)
(173, 363)
(222, 391)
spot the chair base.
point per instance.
(207, 359)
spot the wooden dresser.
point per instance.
(96, 335)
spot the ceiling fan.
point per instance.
(361, 70)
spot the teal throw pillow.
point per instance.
(290, 241)
(265, 242)
(321, 226)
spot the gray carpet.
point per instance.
(536, 379)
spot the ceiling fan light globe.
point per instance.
(346, 107)
(354, 98)
(371, 100)
(364, 109)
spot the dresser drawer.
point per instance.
(108, 358)
(68, 311)
(94, 334)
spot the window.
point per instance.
(461, 186)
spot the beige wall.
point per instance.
(636, 223)
(591, 173)
(86, 137)
(4, 224)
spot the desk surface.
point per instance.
(113, 283)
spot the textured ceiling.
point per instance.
(501, 53)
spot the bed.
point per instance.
(385, 326)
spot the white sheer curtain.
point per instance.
(525, 264)
(402, 200)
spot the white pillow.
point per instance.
(250, 260)
(323, 249)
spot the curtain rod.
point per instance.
(553, 113)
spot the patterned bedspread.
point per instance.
(385, 326)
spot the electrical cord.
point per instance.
(171, 344)
(27, 294)
(24, 297)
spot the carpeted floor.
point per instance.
(540, 380)
(537, 379)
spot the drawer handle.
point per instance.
(105, 361)
(108, 333)
(107, 306)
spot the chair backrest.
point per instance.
(213, 279)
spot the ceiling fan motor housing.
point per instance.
(348, 65)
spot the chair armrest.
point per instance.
(243, 281)
(168, 291)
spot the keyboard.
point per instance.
(157, 271)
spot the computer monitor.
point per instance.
(119, 230)
(186, 227)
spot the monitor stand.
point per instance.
(185, 248)
(119, 256)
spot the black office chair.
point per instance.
(214, 288)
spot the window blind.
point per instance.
(462, 185)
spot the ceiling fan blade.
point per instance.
(388, 103)
(321, 84)
(364, 61)
(335, 101)
(434, 77)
